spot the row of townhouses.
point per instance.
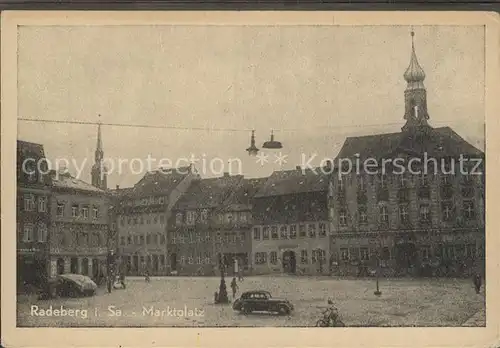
(302, 221)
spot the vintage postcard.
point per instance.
(249, 178)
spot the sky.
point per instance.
(313, 85)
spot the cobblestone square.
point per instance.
(188, 302)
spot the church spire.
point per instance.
(99, 172)
(416, 115)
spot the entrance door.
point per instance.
(60, 266)
(95, 268)
(85, 266)
(406, 255)
(173, 261)
(135, 264)
(74, 265)
(289, 261)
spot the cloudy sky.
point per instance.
(314, 85)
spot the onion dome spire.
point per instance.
(414, 74)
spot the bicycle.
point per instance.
(330, 318)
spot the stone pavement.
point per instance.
(478, 319)
(404, 302)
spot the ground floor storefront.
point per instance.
(453, 253)
(92, 265)
(32, 269)
(139, 263)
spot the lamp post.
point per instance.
(222, 297)
(377, 272)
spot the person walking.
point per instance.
(234, 287)
(477, 282)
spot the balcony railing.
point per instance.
(424, 192)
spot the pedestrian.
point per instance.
(234, 286)
(477, 282)
(240, 275)
(146, 274)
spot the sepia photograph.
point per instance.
(182, 174)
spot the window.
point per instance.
(470, 251)
(95, 213)
(312, 230)
(302, 230)
(384, 215)
(469, 212)
(148, 239)
(383, 181)
(425, 215)
(161, 200)
(364, 254)
(283, 232)
(322, 229)
(141, 240)
(29, 202)
(178, 219)
(191, 217)
(42, 204)
(424, 180)
(425, 252)
(303, 256)
(204, 215)
(361, 183)
(162, 239)
(141, 220)
(85, 213)
(273, 256)
(340, 182)
(293, 231)
(122, 240)
(129, 240)
(42, 232)
(386, 254)
(404, 216)
(260, 258)
(343, 217)
(265, 233)
(448, 252)
(243, 217)
(256, 233)
(402, 180)
(467, 179)
(242, 236)
(162, 219)
(447, 211)
(155, 219)
(136, 240)
(446, 179)
(274, 232)
(344, 254)
(363, 216)
(60, 209)
(74, 211)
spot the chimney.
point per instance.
(117, 187)
(298, 168)
(226, 174)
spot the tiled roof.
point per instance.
(66, 181)
(438, 142)
(294, 181)
(242, 195)
(209, 193)
(162, 181)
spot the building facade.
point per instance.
(212, 224)
(33, 214)
(411, 206)
(79, 238)
(291, 223)
(142, 215)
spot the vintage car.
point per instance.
(261, 301)
(74, 285)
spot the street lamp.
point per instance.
(377, 291)
(222, 296)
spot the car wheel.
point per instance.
(321, 323)
(246, 309)
(284, 310)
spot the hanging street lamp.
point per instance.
(272, 144)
